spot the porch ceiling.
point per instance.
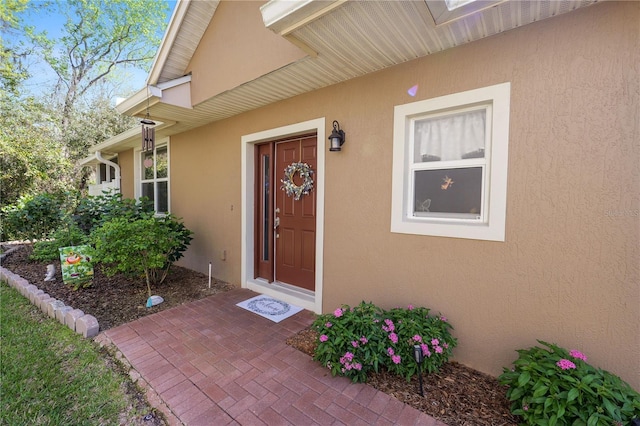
(352, 39)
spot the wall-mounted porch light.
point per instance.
(336, 138)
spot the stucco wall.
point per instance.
(569, 270)
(244, 50)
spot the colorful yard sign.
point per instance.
(77, 269)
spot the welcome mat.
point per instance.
(270, 308)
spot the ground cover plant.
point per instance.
(553, 386)
(52, 376)
(353, 342)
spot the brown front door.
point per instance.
(295, 220)
(285, 228)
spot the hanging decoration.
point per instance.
(305, 173)
(148, 132)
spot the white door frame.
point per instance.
(300, 297)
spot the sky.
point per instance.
(43, 78)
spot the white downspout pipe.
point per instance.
(112, 164)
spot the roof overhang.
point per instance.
(344, 39)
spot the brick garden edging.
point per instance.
(75, 319)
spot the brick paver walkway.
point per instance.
(210, 362)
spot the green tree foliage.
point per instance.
(32, 218)
(12, 71)
(31, 159)
(99, 37)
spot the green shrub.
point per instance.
(68, 234)
(147, 246)
(553, 386)
(93, 211)
(349, 341)
(355, 341)
(405, 328)
(32, 218)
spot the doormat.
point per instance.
(270, 308)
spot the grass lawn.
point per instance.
(50, 375)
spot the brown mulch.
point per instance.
(456, 395)
(119, 299)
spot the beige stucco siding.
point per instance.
(235, 49)
(568, 271)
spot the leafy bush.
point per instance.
(69, 234)
(93, 211)
(355, 341)
(146, 246)
(349, 341)
(405, 328)
(553, 386)
(32, 218)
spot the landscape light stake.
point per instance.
(419, 357)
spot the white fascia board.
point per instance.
(285, 16)
(180, 11)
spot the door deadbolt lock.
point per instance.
(276, 222)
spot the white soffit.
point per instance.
(284, 16)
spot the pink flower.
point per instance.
(355, 343)
(395, 359)
(328, 325)
(393, 337)
(337, 313)
(443, 318)
(438, 350)
(425, 350)
(364, 340)
(577, 354)
(525, 407)
(435, 342)
(324, 338)
(357, 366)
(390, 326)
(565, 364)
(410, 307)
(417, 338)
(390, 351)
(445, 345)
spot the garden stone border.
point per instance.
(75, 319)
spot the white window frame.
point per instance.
(490, 225)
(138, 175)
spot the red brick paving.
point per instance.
(212, 363)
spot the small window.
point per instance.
(154, 177)
(450, 165)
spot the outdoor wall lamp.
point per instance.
(336, 138)
(419, 357)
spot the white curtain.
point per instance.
(451, 137)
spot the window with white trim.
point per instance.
(450, 157)
(154, 177)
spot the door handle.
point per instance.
(276, 222)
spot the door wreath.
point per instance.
(289, 187)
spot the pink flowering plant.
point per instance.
(553, 386)
(355, 341)
(404, 328)
(349, 341)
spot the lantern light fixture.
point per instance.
(336, 138)
(419, 357)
